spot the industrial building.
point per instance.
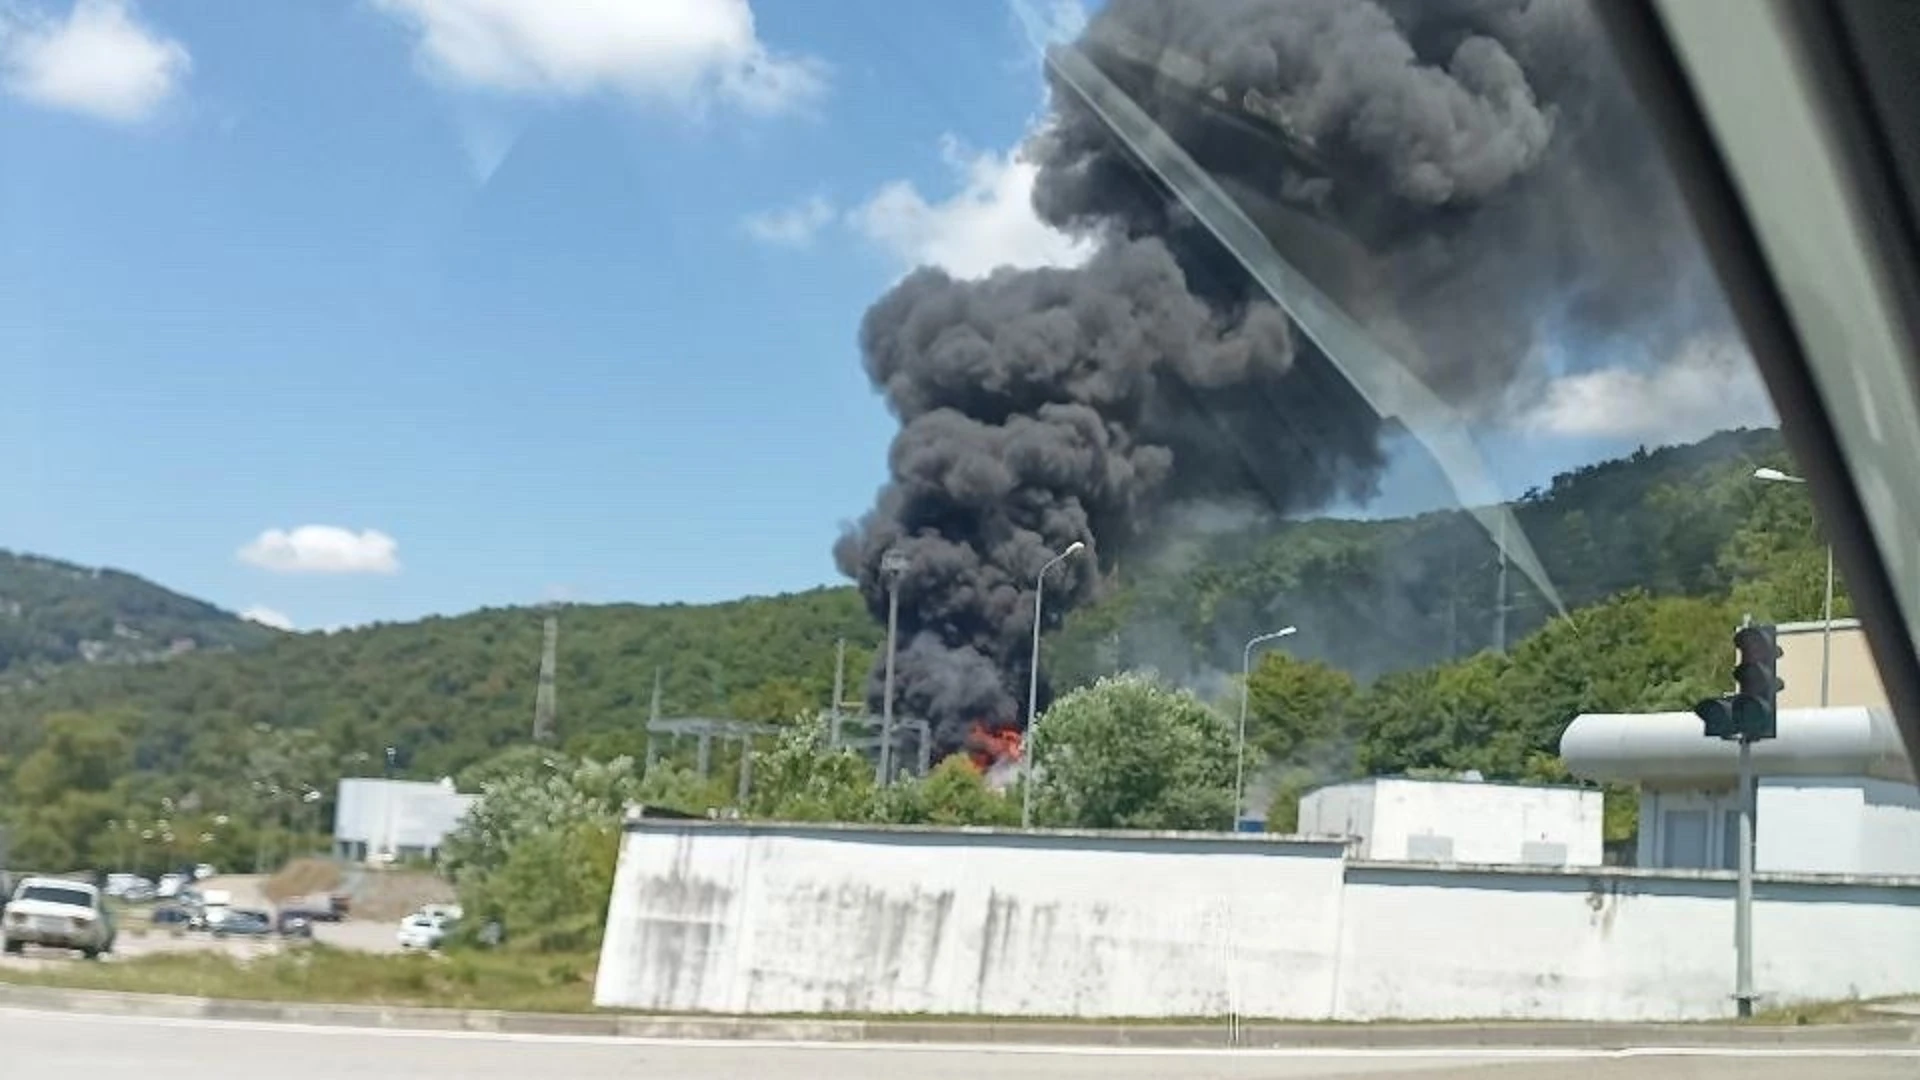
(390, 820)
(1833, 793)
(1458, 821)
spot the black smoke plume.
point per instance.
(1469, 178)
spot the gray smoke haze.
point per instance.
(1468, 178)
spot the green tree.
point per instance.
(804, 778)
(1131, 753)
(1777, 558)
(1300, 714)
(537, 850)
(954, 793)
(551, 890)
(64, 792)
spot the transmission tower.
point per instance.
(543, 699)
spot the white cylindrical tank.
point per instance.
(1670, 749)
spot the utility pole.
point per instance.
(1826, 633)
(1240, 745)
(653, 717)
(892, 564)
(543, 697)
(839, 688)
(1775, 476)
(1028, 745)
(1500, 594)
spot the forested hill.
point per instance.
(54, 613)
(1371, 597)
(447, 691)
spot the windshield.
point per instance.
(456, 444)
(54, 894)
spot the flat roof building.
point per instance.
(1459, 821)
(386, 820)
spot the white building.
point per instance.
(383, 820)
(1459, 821)
(1834, 793)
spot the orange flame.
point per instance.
(991, 746)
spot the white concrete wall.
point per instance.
(758, 919)
(739, 918)
(1890, 828)
(1421, 943)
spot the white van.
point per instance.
(215, 904)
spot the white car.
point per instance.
(424, 931)
(59, 914)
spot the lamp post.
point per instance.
(1240, 746)
(1826, 611)
(892, 564)
(1033, 686)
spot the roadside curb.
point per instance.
(1380, 1036)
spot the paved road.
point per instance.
(120, 1046)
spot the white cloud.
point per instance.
(267, 616)
(794, 226)
(987, 224)
(323, 549)
(1049, 23)
(99, 61)
(683, 51)
(1711, 385)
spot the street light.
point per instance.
(1033, 686)
(1826, 613)
(1246, 691)
(893, 564)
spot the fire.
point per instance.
(989, 747)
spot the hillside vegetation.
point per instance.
(1657, 553)
(54, 613)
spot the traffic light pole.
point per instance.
(1746, 716)
(1743, 897)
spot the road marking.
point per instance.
(1441, 1053)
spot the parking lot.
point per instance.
(137, 937)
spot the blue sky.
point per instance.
(357, 310)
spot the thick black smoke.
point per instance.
(1467, 177)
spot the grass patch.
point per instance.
(1858, 1011)
(318, 974)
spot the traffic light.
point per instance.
(1757, 680)
(1751, 712)
(1717, 716)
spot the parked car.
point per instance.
(424, 931)
(319, 907)
(59, 914)
(243, 922)
(121, 885)
(170, 885)
(171, 916)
